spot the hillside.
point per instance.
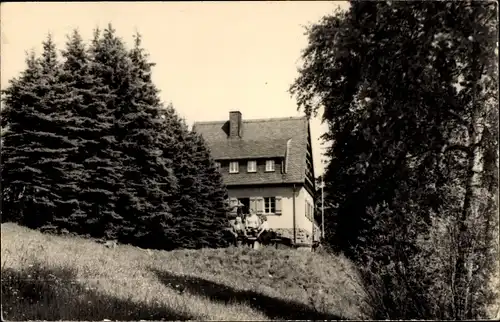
(46, 277)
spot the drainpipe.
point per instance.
(322, 209)
(294, 230)
(313, 222)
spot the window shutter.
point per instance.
(278, 205)
(260, 205)
(253, 204)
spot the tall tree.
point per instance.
(91, 149)
(199, 206)
(150, 181)
(387, 74)
(36, 146)
(111, 67)
(15, 145)
(84, 107)
(209, 218)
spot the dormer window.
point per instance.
(269, 165)
(252, 166)
(234, 167)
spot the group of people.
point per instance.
(249, 228)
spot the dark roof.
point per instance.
(263, 138)
(245, 149)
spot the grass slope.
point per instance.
(46, 277)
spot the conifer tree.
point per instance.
(36, 147)
(200, 205)
(109, 66)
(150, 182)
(91, 149)
(211, 193)
(175, 138)
(17, 167)
(83, 107)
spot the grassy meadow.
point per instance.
(47, 277)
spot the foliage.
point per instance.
(89, 151)
(199, 205)
(35, 148)
(407, 91)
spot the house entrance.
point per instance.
(246, 205)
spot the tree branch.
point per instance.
(458, 117)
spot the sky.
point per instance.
(211, 57)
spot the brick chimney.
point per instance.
(235, 124)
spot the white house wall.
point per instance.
(285, 220)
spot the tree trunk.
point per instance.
(463, 248)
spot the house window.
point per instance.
(234, 167)
(252, 166)
(269, 205)
(309, 211)
(269, 165)
(217, 165)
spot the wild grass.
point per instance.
(47, 277)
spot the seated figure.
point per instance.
(265, 235)
(238, 229)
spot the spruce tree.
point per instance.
(109, 66)
(91, 149)
(18, 169)
(175, 137)
(211, 220)
(199, 207)
(36, 146)
(150, 182)
(83, 107)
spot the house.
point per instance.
(267, 165)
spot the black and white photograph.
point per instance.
(249, 160)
